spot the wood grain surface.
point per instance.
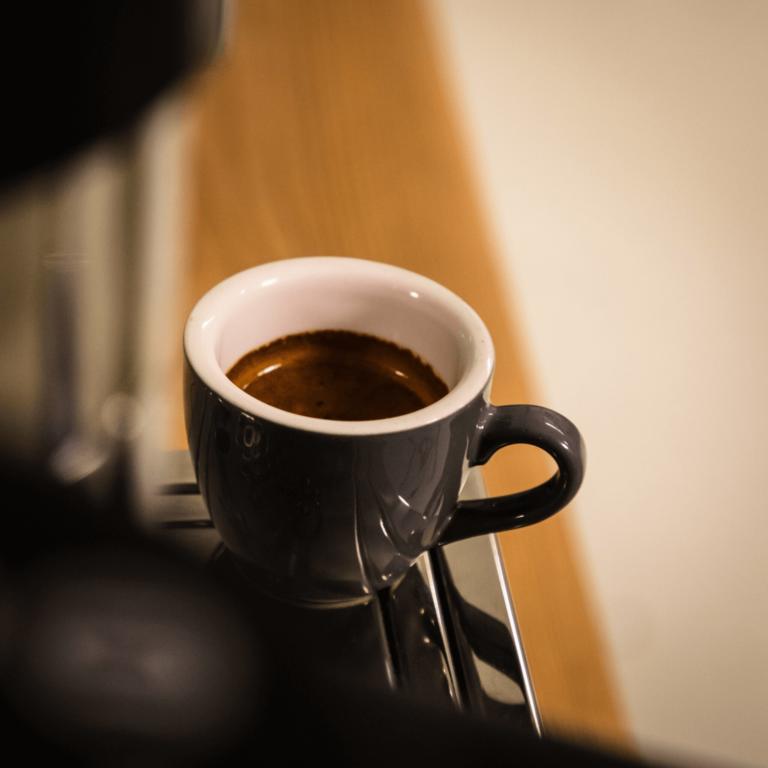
(328, 128)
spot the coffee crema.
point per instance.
(338, 375)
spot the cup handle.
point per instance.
(512, 425)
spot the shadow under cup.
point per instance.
(324, 511)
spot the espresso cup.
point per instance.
(328, 512)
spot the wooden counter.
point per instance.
(329, 128)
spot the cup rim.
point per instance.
(207, 316)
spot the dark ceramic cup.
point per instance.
(328, 512)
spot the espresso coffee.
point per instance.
(338, 375)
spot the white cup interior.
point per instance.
(262, 304)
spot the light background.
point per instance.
(621, 149)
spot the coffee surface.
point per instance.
(338, 375)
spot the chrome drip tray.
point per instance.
(446, 634)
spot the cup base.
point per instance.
(226, 562)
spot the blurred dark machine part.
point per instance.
(91, 178)
(110, 647)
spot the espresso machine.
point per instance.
(126, 634)
(89, 217)
(108, 641)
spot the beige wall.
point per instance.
(622, 149)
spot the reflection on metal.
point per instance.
(425, 564)
(530, 693)
(446, 633)
(74, 460)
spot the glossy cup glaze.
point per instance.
(326, 511)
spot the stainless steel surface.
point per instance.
(514, 627)
(424, 565)
(449, 630)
